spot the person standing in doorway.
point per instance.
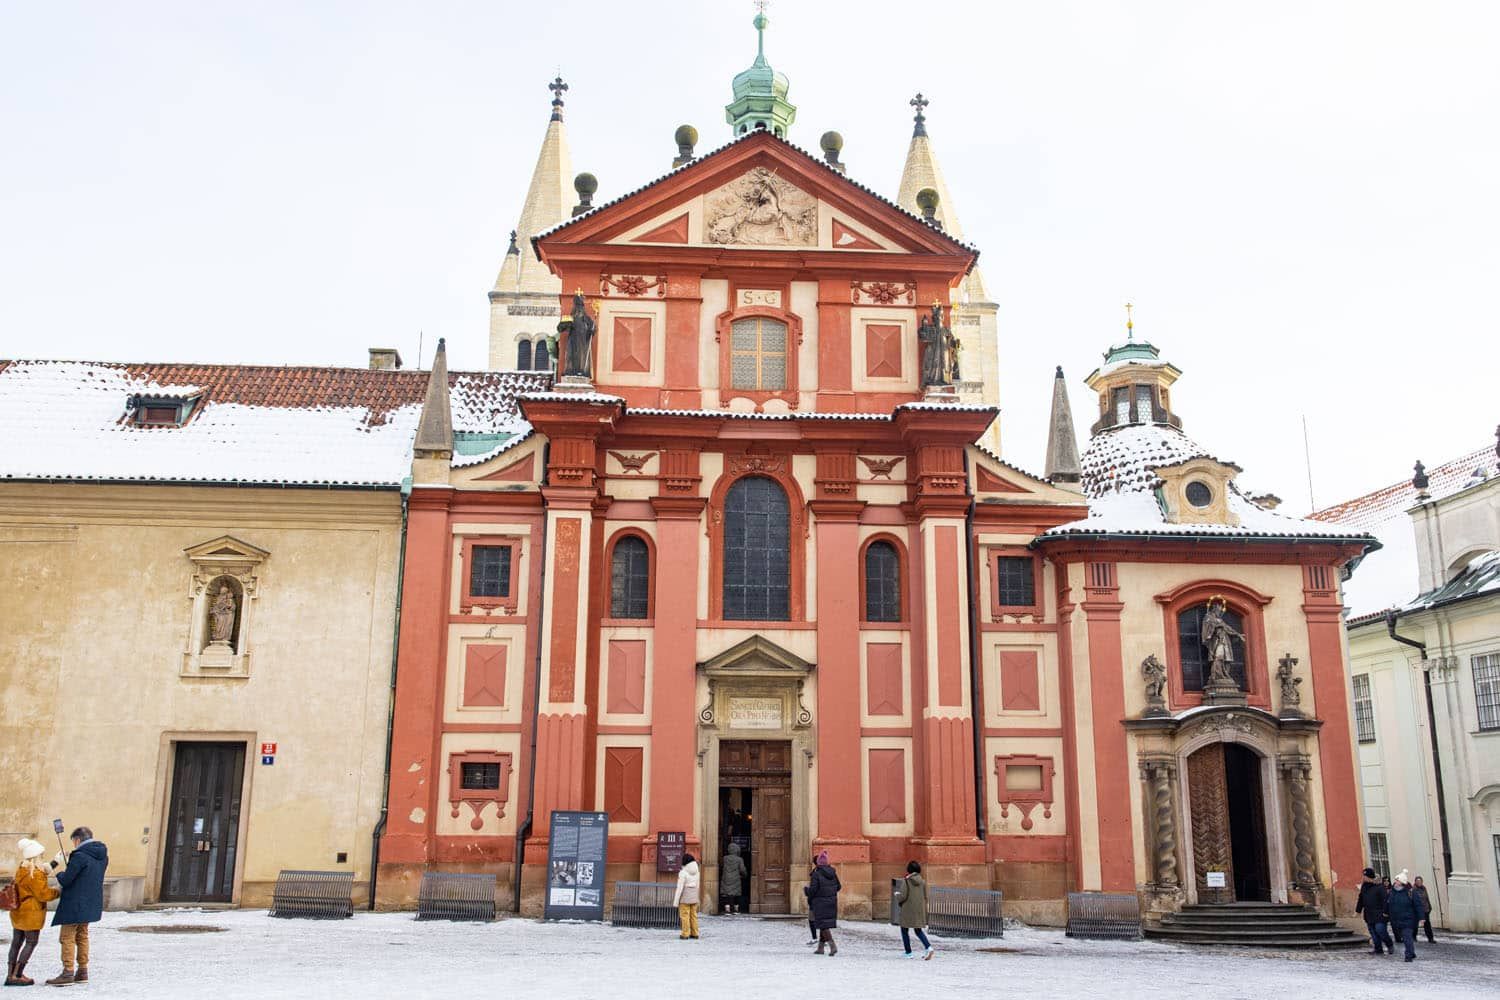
(82, 881)
(26, 920)
(911, 901)
(1404, 911)
(732, 881)
(686, 897)
(823, 902)
(1371, 906)
(1421, 893)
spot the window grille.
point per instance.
(1016, 580)
(1487, 689)
(1380, 855)
(630, 579)
(757, 552)
(1364, 709)
(757, 353)
(489, 571)
(1194, 655)
(479, 775)
(882, 583)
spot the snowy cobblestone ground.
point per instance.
(744, 958)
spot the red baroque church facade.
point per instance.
(748, 581)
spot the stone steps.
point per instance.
(1252, 925)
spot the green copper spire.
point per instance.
(760, 92)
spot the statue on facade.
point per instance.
(938, 354)
(1218, 638)
(577, 330)
(1156, 686)
(1291, 698)
(221, 616)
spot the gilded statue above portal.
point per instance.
(760, 209)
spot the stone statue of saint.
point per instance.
(1218, 639)
(937, 348)
(1156, 684)
(221, 616)
(1291, 698)
(578, 332)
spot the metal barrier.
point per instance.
(320, 895)
(644, 904)
(965, 912)
(1104, 916)
(450, 896)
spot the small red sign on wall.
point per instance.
(267, 748)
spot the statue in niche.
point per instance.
(760, 209)
(578, 330)
(1218, 638)
(939, 349)
(221, 614)
(1156, 685)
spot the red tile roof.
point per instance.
(1381, 505)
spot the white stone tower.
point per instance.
(523, 303)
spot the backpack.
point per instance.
(10, 897)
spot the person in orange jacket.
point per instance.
(26, 920)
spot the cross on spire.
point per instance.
(558, 88)
(1129, 321)
(919, 102)
(761, 5)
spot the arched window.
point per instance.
(630, 579)
(542, 358)
(523, 356)
(757, 552)
(882, 583)
(757, 353)
(1192, 649)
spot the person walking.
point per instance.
(82, 881)
(911, 902)
(732, 881)
(686, 897)
(812, 925)
(822, 892)
(1404, 911)
(1420, 891)
(26, 920)
(1371, 905)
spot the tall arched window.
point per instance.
(630, 579)
(882, 583)
(757, 552)
(541, 358)
(1193, 651)
(523, 356)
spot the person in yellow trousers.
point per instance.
(26, 920)
(686, 897)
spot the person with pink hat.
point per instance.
(822, 892)
(32, 894)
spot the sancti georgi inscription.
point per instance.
(755, 713)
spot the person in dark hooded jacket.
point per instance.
(82, 903)
(823, 902)
(732, 881)
(1371, 906)
(1405, 912)
(1420, 891)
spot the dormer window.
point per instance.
(147, 411)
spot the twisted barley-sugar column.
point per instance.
(1166, 828)
(1302, 836)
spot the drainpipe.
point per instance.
(390, 712)
(976, 710)
(524, 830)
(1437, 760)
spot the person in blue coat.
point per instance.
(82, 903)
(1405, 912)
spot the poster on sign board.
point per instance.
(576, 855)
(669, 848)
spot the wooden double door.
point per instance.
(1227, 809)
(755, 810)
(203, 823)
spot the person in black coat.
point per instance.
(822, 892)
(1405, 912)
(1372, 906)
(1421, 893)
(82, 903)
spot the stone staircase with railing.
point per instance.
(1252, 925)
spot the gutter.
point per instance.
(976, 709)
(1437, 760)
(1369, 541)
(524, 830)
(390, 712)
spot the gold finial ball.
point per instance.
(927, 201)
(685, 135)
(831, 142)
(586, 185)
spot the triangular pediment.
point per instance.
(758, 192)
(997, 481)
(226, 548)
(755, 656)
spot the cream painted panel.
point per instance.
(492, 825)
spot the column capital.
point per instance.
(830, 511)
(678, 508)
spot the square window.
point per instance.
(1015, 581)
(489, 571)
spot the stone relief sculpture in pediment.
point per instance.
(760, 209)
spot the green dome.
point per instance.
(760, 93)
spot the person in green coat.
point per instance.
(911, 899)
(732, 881)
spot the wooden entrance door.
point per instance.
(1208, 802)
(203, 823)
(765, 768)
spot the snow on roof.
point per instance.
(1480, 576)
(249, 424)
(1388, 578)
(1120, 481)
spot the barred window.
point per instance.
(479, 775)
(882, 583)
(489, 571)
(630, 579)
(1015, 578)
(1191, 650)
(1364, 709)
(757, 551)
(757, 353)
(1487, 689)
(1380, 855)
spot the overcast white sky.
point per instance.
(1301, 198)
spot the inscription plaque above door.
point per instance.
(755, 713)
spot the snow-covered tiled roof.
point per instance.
(1120, 481)
(1444, 480)
(249, 423)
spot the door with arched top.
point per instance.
(1226, 807)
